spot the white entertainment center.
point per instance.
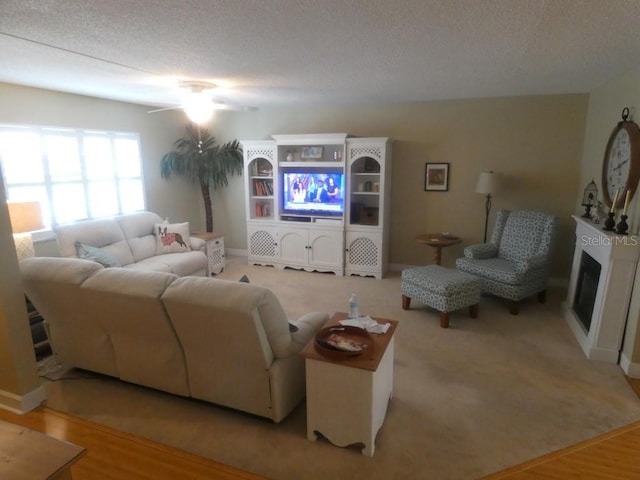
(319, 203)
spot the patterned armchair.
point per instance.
(515, 263)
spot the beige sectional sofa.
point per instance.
(221, 341)
(132, 241)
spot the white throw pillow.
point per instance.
(172, 237)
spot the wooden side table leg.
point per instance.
(406, 302)
(444, 319)
(513, 307)
(437, 255)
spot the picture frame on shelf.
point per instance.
(311, 153)
(436, 177)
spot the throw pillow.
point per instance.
(97, 255)
(172, 237)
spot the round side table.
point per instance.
(438, 241)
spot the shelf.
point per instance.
(311, 163)
(365, 193)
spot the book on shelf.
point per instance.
(263, 188)
(262, 209)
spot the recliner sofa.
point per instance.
(132, 240)
(216, 340)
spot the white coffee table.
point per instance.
(347, 399)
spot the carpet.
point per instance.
(470, 400)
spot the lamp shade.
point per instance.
(487, 183)
(198, 106)
(25, 216)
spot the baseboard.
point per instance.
(236, 252)
(630, 369)
(398, 267)
(22, 404)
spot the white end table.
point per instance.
(347, 399)
(214, 248)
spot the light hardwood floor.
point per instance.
(611, 456)
(116, 455)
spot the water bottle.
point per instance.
(354, 311)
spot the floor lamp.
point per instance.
(487, 184)
(26, 217)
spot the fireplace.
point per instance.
(602, 276)
(586, 289)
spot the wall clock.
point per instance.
(621, 166)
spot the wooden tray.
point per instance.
(342, 341)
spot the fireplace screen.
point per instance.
(586, 289)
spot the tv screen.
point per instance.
(313, 193)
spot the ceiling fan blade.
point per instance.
(164, 109)
(225, 106)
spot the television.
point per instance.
(317, 192)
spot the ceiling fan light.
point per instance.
(198, 107)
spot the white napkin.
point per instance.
(367, 323)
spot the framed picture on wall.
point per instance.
(436, 177)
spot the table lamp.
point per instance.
(487, 184)
(26, 217)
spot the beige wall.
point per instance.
(30, 106)
(536, 142)
(605, 108)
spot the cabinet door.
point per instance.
(364, 253)
(262, 243)
(326, 248)
(294, 247)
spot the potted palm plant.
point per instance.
(198, 157)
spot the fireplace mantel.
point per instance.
(617, 256)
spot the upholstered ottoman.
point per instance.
(441, 288)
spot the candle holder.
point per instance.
(610, 222)
(622, 227)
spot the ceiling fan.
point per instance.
(198, 102)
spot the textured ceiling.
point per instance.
(271, 53)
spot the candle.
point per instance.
(626, 202)
(613, 204)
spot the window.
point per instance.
(75, 174)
